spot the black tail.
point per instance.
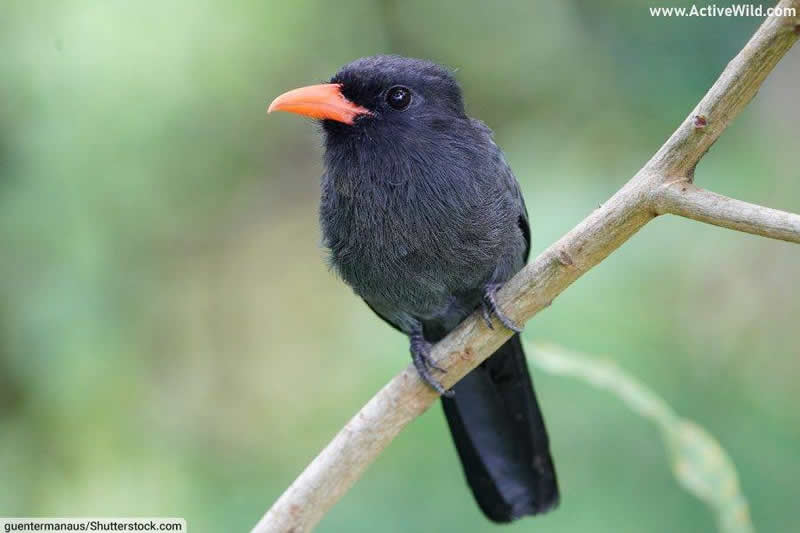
(500, 436)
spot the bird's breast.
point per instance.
(412, 244)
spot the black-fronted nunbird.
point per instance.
(424, 220)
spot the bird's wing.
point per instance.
(522, 221)
(508, 179)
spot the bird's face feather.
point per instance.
(414, 118)
(396, 91)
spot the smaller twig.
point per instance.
(687, 200)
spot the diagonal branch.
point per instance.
(405, 397)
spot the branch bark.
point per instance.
(663, 185)
(684, 199)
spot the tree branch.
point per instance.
(645, 196)
(684, 199)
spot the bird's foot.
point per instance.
(490, 308)
(421, 356)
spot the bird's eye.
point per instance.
(398, 97)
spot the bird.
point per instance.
(423, 218)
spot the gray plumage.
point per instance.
(420, 211)
(424, 220)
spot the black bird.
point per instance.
(425, 221)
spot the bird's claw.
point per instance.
(490, 308)
(487, 316)
(420, 355)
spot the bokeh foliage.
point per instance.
(172, 343)
(698, 461)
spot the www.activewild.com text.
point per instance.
(713, 10)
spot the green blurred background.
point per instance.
(172, 342)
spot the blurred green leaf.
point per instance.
(698, 461)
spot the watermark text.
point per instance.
(713, 10)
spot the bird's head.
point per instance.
(379, 95)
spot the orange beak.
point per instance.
(324, 101)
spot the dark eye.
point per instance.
(398, 97)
